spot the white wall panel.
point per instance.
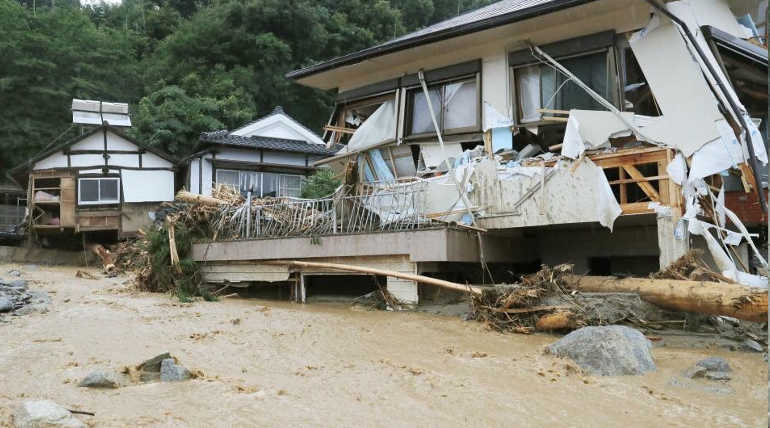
(56, 160)
(131, 160)
(147, 186)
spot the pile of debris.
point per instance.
(17, 299)
(691, 267)
(549, 300)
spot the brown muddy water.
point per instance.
(283, 364)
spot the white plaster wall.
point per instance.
(85, 160)
(296, 159)
(194, 176)
(151, 160)
(116, 142)
(147, 186)
(278, 130)
(239, 155)
(131, 160)
(56, 160)
(92, 142)
(207, 176)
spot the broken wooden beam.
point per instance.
(193, 198)
(713, 298)
(383, 272)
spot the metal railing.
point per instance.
(393, 207)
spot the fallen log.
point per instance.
(362, 269)
(705, 297)
(192, 198)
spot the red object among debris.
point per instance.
(746, 207)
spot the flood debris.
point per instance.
(161, 368)
(17, 299)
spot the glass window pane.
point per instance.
(460, 104)
(89, 190)
(269, 185)
(591, 69)
(108, 190)
(291, 185)
(227, 176)
(250, 182)
(421, 120)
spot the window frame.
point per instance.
(261, 174)
(100, 201)
(409, 108)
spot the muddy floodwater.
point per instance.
(268, 363)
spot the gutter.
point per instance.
(733, 106)
(461, 30)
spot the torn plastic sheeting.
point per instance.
(376, 129)
(760, 151)
(717, 156)
(689, 107)
(721, 259)
(608, 209)
(591, 129)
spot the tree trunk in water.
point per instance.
(712, 298)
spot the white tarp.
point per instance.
(378, 128)
(147, 185)
(689, 107)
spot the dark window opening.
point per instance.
(341, 286)
(637, 94)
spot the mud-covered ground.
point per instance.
(269, 363)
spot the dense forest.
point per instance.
(183, 66)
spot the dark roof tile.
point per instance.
(223, 137)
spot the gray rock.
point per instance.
(44, 414)
(18, 283)
(694, 372)
(14, 273)
(718, 375)
(716, 364)
(170, 371)
(753, 345)
(99, 379)
(6, 304)
(607, 351)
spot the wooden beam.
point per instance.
(636, 208)
(552, 111)
(646, 187)
(637, 180)
(623, 187)
(339, 129)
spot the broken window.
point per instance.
(637, 95)
(455, 107)
(540, 86)
(349, 116)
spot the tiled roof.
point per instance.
(281, 144)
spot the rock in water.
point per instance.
(607, 351)
(695, 371)
(6, 304)
(99, 379)
(44, 414)
(718, 375)
(170, 371)
(716, 364)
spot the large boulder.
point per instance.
(99, 379)
(44, 414)
(607, 351)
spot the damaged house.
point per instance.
(612, 134)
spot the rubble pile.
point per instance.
(691, 267)
(17, 299)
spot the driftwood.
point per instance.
(705, 297)
(408, 276)
(192, 198)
